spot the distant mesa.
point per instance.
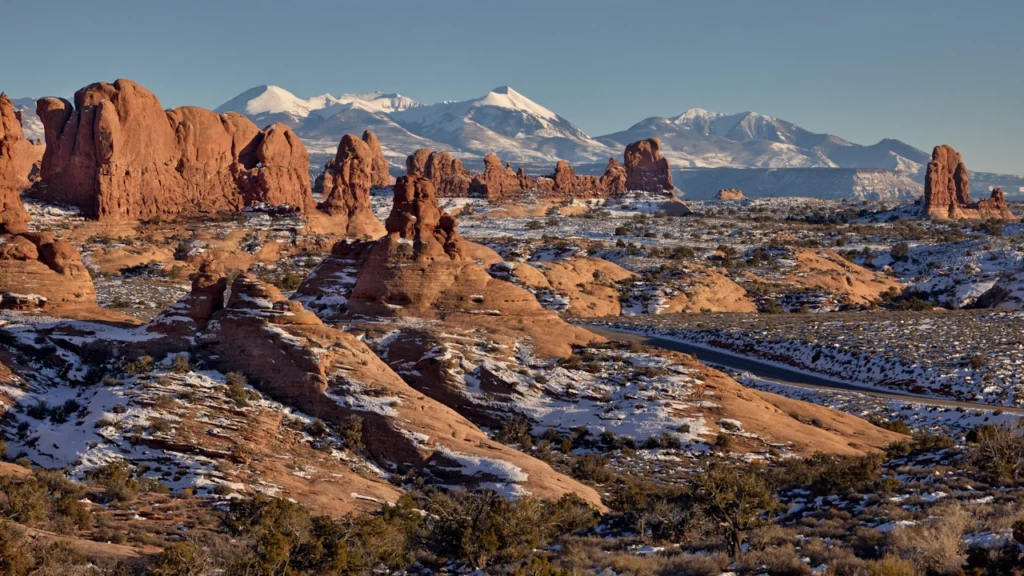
(947, 192)
(730, 195)
(117, 155)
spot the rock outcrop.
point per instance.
(567, 184)
(330, 374)
(947, 192)
(38, 271)
(646, 169)
(18, 157)
(424, 268)
(117, 155)
(380, 177)
(730, 195)
(498, 181)
(449, 178)
(346, 182)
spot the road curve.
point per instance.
(782, 375)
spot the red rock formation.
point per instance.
(497, 181)
(729, 195)
(116, 154)
(38, 271)
(947, 192)
(424, 268)
(380, 177)
(449, 178)
(613, 181)
(18, 156)
(347, 180)
(646, 169)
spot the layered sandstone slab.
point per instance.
(330, 374)
(730, 195)
(117, 155)
(947, 191)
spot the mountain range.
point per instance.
(524, 132)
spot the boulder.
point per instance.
(117, 155)
(39, 271)
(346, 181)
(646, 169)
(19, 159)
(947, 192)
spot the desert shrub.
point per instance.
(116, 480)
(516, 429)
(180, 364)
(736, 500)
(897, 426)
(777, 561)
(723, 442)
(352, 434)
(936, 546)
(534, 225)
(24, 500)
(180, 559)
(591, 468)
(900, 251)
(140, 366)
(891, 566)
(14, 560)
(997, 452)
(236, 389)
(830, 473)
(3, 450)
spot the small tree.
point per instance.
(735, 499)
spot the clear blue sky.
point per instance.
(926, 72)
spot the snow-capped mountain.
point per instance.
(507, 123)
(701, 139)
(267, 104)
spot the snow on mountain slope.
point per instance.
(698, 138)
(506, 122)
(266, 104)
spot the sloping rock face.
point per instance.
(38, 271)
(347, 180)
(18, 156)
(646, 169)
(449, 178)
(947, 192)
(330, 374)
(117, 155)
(730, 195)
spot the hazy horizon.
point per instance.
(911, 71)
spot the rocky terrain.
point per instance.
(209, 365)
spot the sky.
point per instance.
(925, 72)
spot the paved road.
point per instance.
(782, 375)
